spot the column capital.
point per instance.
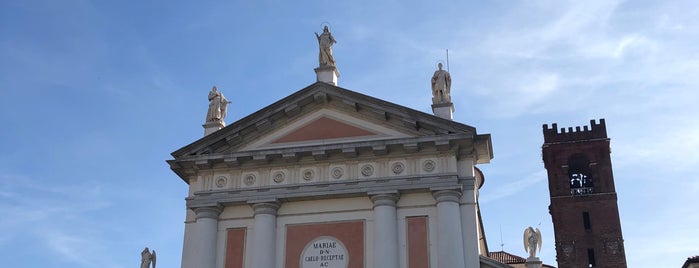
(269, 207)
(209, 212)
(449, 195)
(384, 198)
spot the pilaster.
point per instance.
(469, 223)
(385, 229)
(264, 234)
(450, 246)
(200, 249)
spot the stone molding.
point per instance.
(208, 212)
(462, 144)
(384, 199)
(449, 195)
(334, 189)
(266, 207)
(330, 171)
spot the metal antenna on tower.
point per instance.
(502, 244)
(448, 60)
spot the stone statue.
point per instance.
(217, 106)
(441, 86)
(532, 241)
(147, 258)
(326, 41)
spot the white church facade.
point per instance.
(328, 177)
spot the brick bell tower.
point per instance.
(583, 199)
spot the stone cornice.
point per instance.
(461, 145)
(323, 94)
(441, 142)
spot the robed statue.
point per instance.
(441, 86)
(325, 42)
(217, 106)
(532, 241)
(147, 258)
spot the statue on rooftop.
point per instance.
(217, 106)
(147, 258)
(441, 86)
(532, 241)
(325, 42)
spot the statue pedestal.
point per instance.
(212, 126)
(444, 110)
(533, 262)
(327, 74)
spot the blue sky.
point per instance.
(95, 95)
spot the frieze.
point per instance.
(324, 172)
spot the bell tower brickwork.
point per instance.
(583, 198)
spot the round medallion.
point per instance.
(367, 170)
(308, 174)
(221, 181)
(324, 251)
(428, 166)
(278, 177)
(337, 173)
(249, 179)
(398, 168)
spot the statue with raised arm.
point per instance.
(147, 258)
(532, 241)
(217, 106)
(325, 42)
(441, 86)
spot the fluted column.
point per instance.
(450, 250)
(385, 230)
(202, 245)
(264, 234)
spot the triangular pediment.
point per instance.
(322, 114)
(325, 126)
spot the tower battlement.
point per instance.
(594, 131)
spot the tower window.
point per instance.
(591, 258)
(586, 220)
(579, 175)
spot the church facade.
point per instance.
(328, 177)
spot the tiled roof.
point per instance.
(507, 258)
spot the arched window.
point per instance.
(579, 175)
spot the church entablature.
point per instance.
(416, 173)
(318, 172)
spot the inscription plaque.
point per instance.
(324, 251)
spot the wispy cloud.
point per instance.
(514, 187)
(55, 216)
